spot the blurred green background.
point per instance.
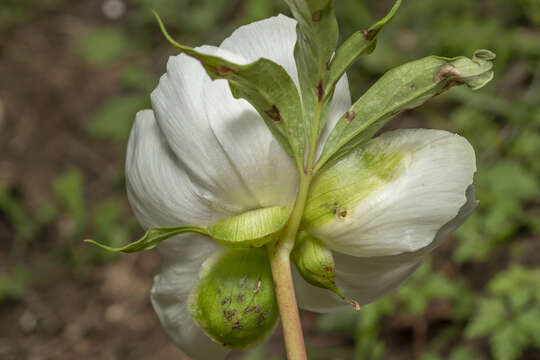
(74, 73)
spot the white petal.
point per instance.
(367, 279)
(159, 191)
(222, 142)
(404, 213)
(273, 38)
(183, 257)
(256, 156)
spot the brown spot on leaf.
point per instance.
(240, 298)
(229, 314)
(261, 318)
(254, 309)
(273, 113)
(226, 301)
(320, 91)
(349, 116)
(225, 70)
(369, 34)
(316, 16)
(236, 326)
(327, 268)
(444, 72)
(413, 87)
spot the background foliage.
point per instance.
(74, 73)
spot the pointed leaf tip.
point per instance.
(359, 44)
(152, 238)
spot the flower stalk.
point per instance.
(279, 253)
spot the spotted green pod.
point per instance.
(234, 301)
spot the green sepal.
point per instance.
(315, 262)
(265, 85)
(357, 45)
(152, 238)
(402, 88)
(251, 229)
(234, 301)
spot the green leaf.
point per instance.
(251, 229)
(234, 300)
(508, 342)
(404, 87)
(529, 322)
(315, 262)
(114, 118)
(14, 285)
(357, 45)
(69, 189)
(265, 85)
(102, 46)
(317, 37)
(464, 352)
(490, 313)
(152, 238)
(341, 321)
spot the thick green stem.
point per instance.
(279, 253)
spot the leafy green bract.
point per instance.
(402, 88)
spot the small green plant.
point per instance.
(509, 315)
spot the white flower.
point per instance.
(201, 156)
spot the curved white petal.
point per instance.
(222, 142)
(365, 279)
(256, 156)
(397, 209)
(159, 191)
(183, 257)
(273, 38)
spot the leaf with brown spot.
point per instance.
(402, 88)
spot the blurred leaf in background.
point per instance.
(103, 45)
(114, 118)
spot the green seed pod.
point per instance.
(234, 301)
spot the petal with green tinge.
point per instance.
(366, 279)
(393, 195)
